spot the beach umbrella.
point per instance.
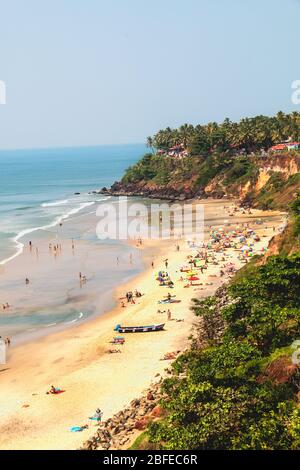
(193, 278)
(245, 248)
(192, 273)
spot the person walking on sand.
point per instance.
(169, 315)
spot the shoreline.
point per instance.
(25, 232)
(75, 360)
(55, 297)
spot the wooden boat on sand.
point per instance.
(139, 329)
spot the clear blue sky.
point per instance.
(87, 72)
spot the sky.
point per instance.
(92, 72)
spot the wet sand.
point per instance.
(76, 360)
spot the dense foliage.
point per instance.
(162, 170)
(197, 171)
(224, 400)
(225, 156)
(251, 134)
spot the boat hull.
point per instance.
(140, 329)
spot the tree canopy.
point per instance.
(250, 134)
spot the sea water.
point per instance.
(37, 194)
(37, 186)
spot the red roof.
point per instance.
(278, 147)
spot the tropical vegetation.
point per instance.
(250, 134)
(240, 392)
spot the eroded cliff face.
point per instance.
(285, 243)
(268, 171)
(287, 164)
(275, 184)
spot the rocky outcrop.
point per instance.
(181, 187)
(170, 193)
(282, 163)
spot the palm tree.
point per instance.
(185, 132)
(150, 143)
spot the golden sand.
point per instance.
(75, 359)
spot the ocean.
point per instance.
(38, 203)
(37, 186)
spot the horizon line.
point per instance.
(18, 149)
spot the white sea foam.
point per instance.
(57, 221)
(56, 203)
(75, 319)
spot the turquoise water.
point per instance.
(37, 193)
(37, 186)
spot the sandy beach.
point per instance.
(75, 358)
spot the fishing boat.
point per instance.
(139, 329)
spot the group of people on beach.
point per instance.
(139, 242)
(202, 256)
(56, 249)
(6, 340)
(130, 297)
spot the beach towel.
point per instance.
(77, 429)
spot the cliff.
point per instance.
(267, 182)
